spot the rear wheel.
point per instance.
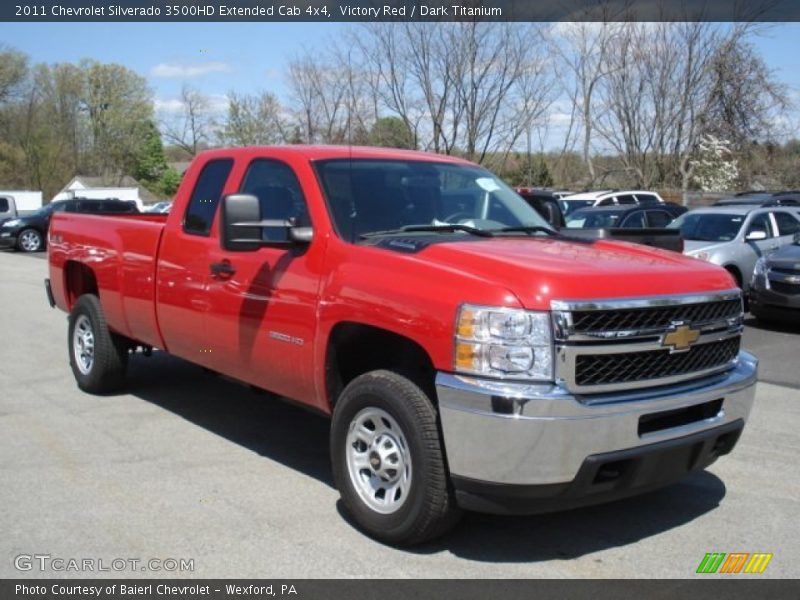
(98, 357)
(388, 462)
(30, 240)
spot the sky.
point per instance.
(247, 57)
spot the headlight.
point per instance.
(701, 255)
(503, 342)
(760, 270)
(12, 223)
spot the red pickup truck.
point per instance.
(470, 356)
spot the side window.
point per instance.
(658, 218)
(760, 223)
(626, 199)
(3, 204)
(278, 191)
(787, 224)
(635, 220)
(205, 196)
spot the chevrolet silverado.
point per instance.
(469, 356)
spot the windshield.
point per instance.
(367, 196)
(570, 206)
(593, 220)
(708, 227)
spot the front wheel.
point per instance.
(98, 357)
(388, 462)
(30, 240)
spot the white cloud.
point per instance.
(216, 104)
(177, 70)
(171, 105)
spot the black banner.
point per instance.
(732, 588)
(400, 10)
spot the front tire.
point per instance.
(98, 357)
(388, 462)
(30, 240)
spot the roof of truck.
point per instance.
(322, 152)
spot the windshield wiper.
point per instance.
(449, 228)
(527, 229)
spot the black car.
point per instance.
(625, 217)
(775, 288)
(29, 233)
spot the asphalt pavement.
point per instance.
(186, 465)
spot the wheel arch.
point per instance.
(79, 279)
(356, 348)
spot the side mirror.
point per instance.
(243, 229)
(756, 235)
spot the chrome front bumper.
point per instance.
(530, 435)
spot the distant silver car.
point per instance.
(735, 237)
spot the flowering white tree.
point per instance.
(715, 169)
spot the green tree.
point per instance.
(120, 111)
(150, 161)
(392, 132)
(170, 180)
(541, 177)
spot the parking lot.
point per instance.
(189, 465)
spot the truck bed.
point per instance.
(121, 250)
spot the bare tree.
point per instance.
(253, 120)
(472, 88)
(583, 49)
(192, 128)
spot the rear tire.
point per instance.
(98, 357)
(30, 240)
(388, 462)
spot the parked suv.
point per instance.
(735, 237)
(608, 198)
(30, 232)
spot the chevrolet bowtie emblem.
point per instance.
(680, 338)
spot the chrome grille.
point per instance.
(629, 367)
(606, 346)
(653, 317)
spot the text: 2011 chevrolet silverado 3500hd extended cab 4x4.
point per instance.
(470, 356)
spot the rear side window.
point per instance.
(787, 224)
(626, 199)
(278, 191)
(3, 204)
(205, 196)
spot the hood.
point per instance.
(787, 257)
(538, 270)
(695, 245)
